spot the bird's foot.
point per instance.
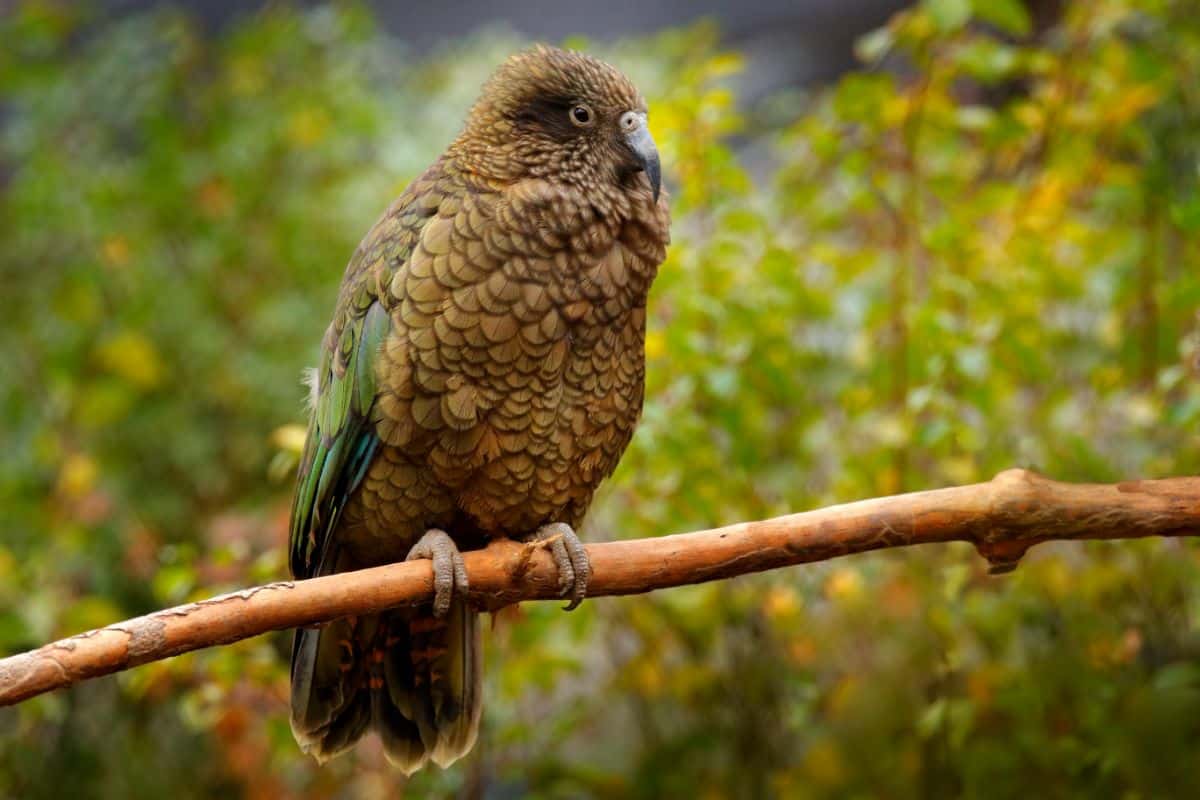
(449, 572)
(571, 558)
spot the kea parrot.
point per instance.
(482, 374)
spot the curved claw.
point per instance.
(571, 558)
(449, 571)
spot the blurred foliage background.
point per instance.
(980, 250)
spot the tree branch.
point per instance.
(1003, 518)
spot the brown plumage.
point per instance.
(482, 374)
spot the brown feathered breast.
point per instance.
(513, 375)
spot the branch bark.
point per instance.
(1003, 518)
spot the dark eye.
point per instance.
(581, 115)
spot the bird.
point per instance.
(483, 373)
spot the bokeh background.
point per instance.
(979, 247)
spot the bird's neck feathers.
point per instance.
(487, 158)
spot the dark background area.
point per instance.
(788, 43)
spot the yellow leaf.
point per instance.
(1131, 102)
(1112, 329)
(1141, 410)
(960, 469)
(781, 602)
(77, 475)
(1047, 203)
(656, 345)
(116, 251)
(895, 110)
(133, 357)
(1030, 114)
(844, 585)
(888, 480)
(862, 349)
(725, 64)
(308, 126)
(892, 430)
(289, 438)
(649, 678)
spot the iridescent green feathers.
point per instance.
(341, 441)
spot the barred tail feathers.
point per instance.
(414, 679)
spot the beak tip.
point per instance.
(646, 153)
(654, 174)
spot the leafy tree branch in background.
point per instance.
(1003, 518)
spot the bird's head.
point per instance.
(561, 116)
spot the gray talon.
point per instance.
(571, 558)
(449, 571)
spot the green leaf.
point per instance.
(932, 718)
(13, 631)
(949, 15)
(1181, 675)
(1010, 16)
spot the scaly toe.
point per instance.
(571, 558)
(449, 571)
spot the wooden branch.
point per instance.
(1003, 518)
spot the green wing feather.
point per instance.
(341, 440)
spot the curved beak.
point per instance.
(646, 152)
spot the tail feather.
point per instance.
(327, 715)
(455, 681)
(414, 679)
(348, 727)
(402, 743)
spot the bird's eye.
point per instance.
(581, 115)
